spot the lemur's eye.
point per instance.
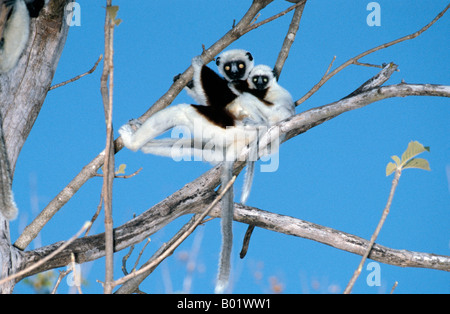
(265, 79)
(227, 68)
(241, 65)
(255, 79)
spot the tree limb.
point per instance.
(337, 239)
(354, 60)
(279, 64)
(289, 39)
(199, 193)
(92, 247)
(22, 93)
(90, 170)
(108, 168)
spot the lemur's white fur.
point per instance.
(275, 104)
(282, 103)
(227, 142)
(230, 140)
(248, 112)
(230, 58)
(234, 56)
(16, 32)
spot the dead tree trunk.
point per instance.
(22, 93)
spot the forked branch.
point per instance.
(355, 59)
(198, 194)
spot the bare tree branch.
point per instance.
(76, 78)
(357, 272)
(289, 39)
(89, 171)
(354, 60)
(21, 98)
(21, 94)
(178, 239)
(279, 64)
(270, 19)
(46, 258)
(198, 194)
(108, 168)
(90, 248)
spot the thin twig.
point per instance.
(89, 171)
(382, 77)
(108, 168)
(246, 241)
(289, 39)
(169, 250)
(193, 195)
(254, 20)
(62, 274)
(125, 259)
(368, 65)
(122, 176)
(329, 67)
(357, 272)
(393, 287)
(279, 64)
(132, 286)
(356, 58)
(77, 77)
(140, 255)
(94, 217)
(274, 17)
(47, 258)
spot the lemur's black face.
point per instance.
(260, 81)
(235, 70)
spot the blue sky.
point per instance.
(333, 175)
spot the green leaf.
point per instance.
(121, 170)
(112, 10)
(390, 168)
(414, 149)
(418, 163)
(396, 159)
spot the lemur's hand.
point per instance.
(197, 62)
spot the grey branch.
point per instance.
(198, 194)
(8, 207)
(91, 169)
(289, 39)
(22, 93)
(91, 248)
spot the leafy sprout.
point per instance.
(408, 159)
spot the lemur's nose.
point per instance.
(234, 68)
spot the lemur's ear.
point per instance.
(218, 61)
(275, 74)
(249, 55)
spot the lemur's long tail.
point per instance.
(227, 229)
